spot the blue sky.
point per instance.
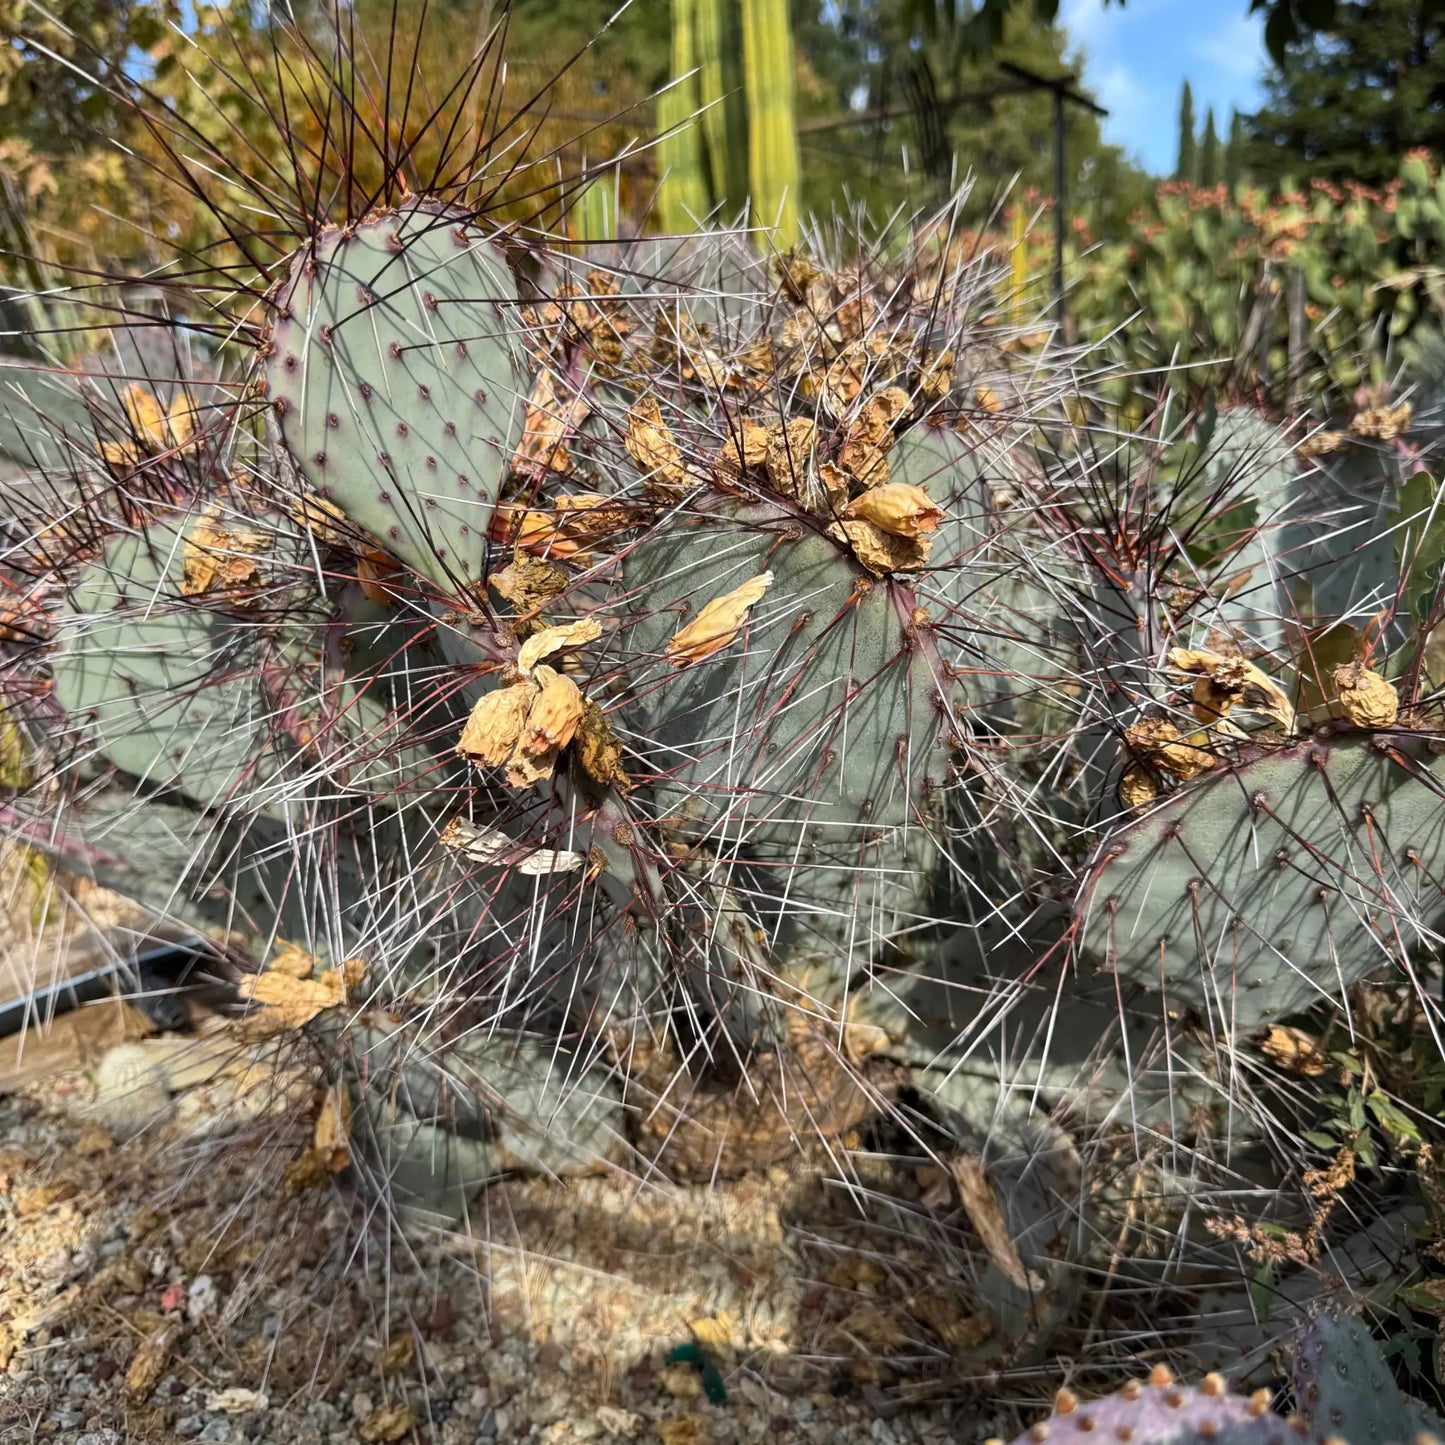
(1137, 55)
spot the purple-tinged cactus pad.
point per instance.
(1161, 1412)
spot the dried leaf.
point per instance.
(898, 508)
(718, 623)
(550, 420)
(682, 1429)
(554, 639)
(1367, 699)
(386, 1424)
(653, 447)
(495, 724)
(151, 1359)
(715, 1332)
(325, 519)
(236, 1400)
(982, 1207)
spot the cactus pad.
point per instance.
(390, 371)
(1344, 1388)
(1162, 1412)
(1269, 886)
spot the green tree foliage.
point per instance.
(931, 112)
(1209, 152)
(1349, 103)
(1185, 166)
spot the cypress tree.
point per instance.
(1209, 152)
(1184, 171)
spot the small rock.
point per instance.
(361, 1405)
(217, 1430)
(80, 1386)
(487, 1426)
(188, 1426)
(202, 1298)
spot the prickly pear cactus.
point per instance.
(1344, 1388)
(1272, 884)
(390, 367)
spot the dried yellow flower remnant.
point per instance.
(718, 623)
(318, 515)
(528, 582)
(332, 1139)
(746, 447)
(1137, 788)
(550, 724)
(896, 507)
(550, 419)
(1366, 698)
(221, 558)
(879, 551)
(936, 379)
(1322, 443)
(1224, 682)
(290, 1002)
(797, 273)
(1158, 742)
(988, 399)
(867, 464)
(495, 724)
(653, 447)
(554, 639)
(790, 454)
(1383, 423)
(1295, 1049)
(155, 429)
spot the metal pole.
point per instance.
(1059, 204)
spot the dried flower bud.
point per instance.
(599, 749)
(653, 447)
(549, 420)
(1382, 423)
(790, 455)
(1158, 743)
(896, 507)
(1223, 682)
(1366, 698)
(551, 723)
(718, 623)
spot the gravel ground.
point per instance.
(186, 1284)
